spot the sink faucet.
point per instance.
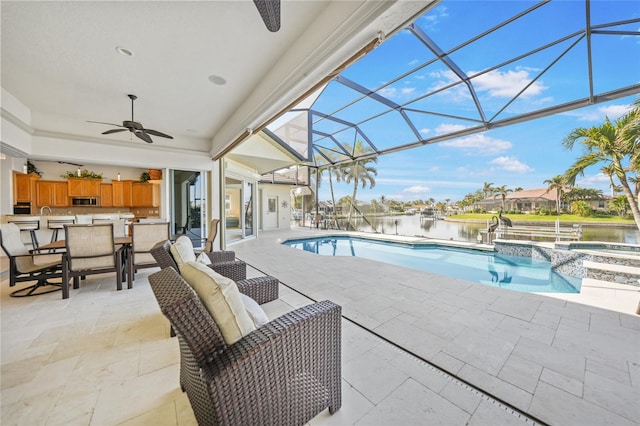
(42, 210)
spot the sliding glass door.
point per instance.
(188, 204)
(239, 196)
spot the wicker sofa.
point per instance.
(283, 373)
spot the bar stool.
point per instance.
(56, 223)
(28, 223)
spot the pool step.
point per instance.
(622, 274)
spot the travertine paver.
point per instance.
(564, 362)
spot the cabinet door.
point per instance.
(76, 187)
(84, 187)
(24, 188)
(92, 187)
(142, 194)
(44, 194)
(60, 194)
(121, 193)
(106, 195)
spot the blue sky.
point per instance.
(518, 155)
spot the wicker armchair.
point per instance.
(261, 289)
(283, 373)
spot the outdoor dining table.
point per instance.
(119, 241)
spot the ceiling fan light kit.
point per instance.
(134, 127)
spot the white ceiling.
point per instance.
(59, 59)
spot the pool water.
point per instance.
(489, 268)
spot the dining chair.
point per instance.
(143, 237)
(118, 225)
(23, 268)
(91, 249)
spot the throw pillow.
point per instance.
(221, 297)
(204, 259)
(182, 251)
(254, 310)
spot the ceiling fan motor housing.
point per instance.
(132, 125)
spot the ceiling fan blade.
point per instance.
(102, 122)
(270, 13)
(142, 135)
(157, 133)
(108, 132)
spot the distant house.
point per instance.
(530, 200)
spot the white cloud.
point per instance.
(432, 19)
(594, 179)
(479, 144)
(510, 164)
(445, 128)
(433, 169)
(507, 84)
(612, 111)
(414, 62)
(425, 130)
(392, 92)
(387, 92)
(417, 189)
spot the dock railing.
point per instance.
(556, 233)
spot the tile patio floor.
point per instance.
(104, 357)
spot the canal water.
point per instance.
(464, 231)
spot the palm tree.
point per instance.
(359, 172)
(334, 172)
(615, 144)
(583, 194)
(557, 184)
(501, 191)
(619, 204)
(487, 189)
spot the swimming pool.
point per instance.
(513, 272)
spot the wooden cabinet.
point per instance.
(121, 193)
(52, 194)
(84, 187)
(24, 187)
(145, 195)
(106, 195)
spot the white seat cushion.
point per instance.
(182, 251)
(221, 297)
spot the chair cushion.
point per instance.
(254, 310)
(182, 251)
(221, 297)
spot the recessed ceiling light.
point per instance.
(192, 131)
(216, 79)
(124, 51)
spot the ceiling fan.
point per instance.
(134, 127)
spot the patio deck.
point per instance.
(105, 358)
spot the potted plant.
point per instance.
(82, 174)
(144, 177)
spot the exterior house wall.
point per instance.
(283, 206)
